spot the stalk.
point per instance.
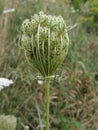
(47, 103)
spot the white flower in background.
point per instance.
(40, 82)
(4, 82)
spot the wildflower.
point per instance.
(45, 42)
(8, 122)
(4, 82)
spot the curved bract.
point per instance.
(45, 42)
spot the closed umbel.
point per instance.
(45, 42)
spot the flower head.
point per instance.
(8, 122)
(4, 82)
(45, 42)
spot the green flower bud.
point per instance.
(45, 42)
(8, 122)
(26, 127)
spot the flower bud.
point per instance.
(8, 122)
(45, 42)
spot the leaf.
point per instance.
(78, 125)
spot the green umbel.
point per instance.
(45, 42)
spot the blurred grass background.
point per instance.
(74, 93)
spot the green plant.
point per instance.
(90, 16)
(74, 92)
(45, 42)
(1, 6)
(69, 124)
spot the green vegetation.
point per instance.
(74, 90)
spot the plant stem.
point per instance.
(47, 103)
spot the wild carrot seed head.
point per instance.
(45, 42)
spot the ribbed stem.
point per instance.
(47, 103)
